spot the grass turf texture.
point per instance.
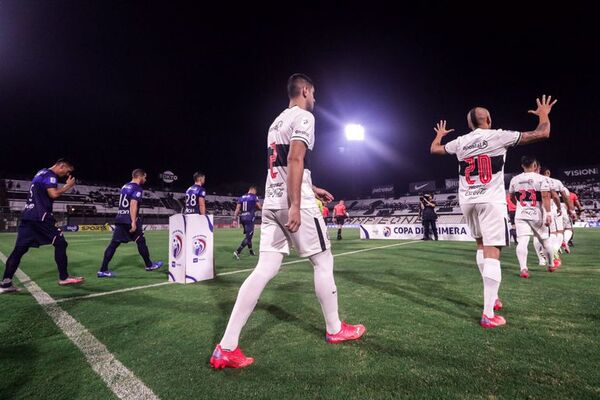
(420, 302)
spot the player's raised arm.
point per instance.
(542, 132)
(294, 182)
(55, 193)
(440, 131)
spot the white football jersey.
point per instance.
(558, 187)
(481, 155)
(528, 188)
(292, 124)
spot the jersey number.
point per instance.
(244, 206)
(484, 166)
(123, 201)
(523, 197)
(191, 200)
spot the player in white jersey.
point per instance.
(562, 209)
(290, 217)
(481, 154)
(530, 191)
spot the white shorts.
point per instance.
(310, 239)
(566, 220)
(557, 223)
(487, 221)
(532, 228)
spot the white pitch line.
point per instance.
(335, 255)
(120, 380)
(87, 296)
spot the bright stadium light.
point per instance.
(355, 132)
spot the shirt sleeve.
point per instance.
(511, 187)
(202, 193)
(452, 146)
(137, 194)
(544, 186)
(50, 182)
(508, 138)
(303, 129)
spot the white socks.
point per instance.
(480, 261)
(326, 290)
(492, 276)
(266, 269)
(522, 251)
(539, 249)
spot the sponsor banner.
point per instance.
(383, 191)
(156, 227)
(593, 224)
(97, 228)
(452, 183)
(168, 177)
(70, 228)
(345, 226)
(592, 171)
(199, 257)
(191, 257)
(423, 186)
(414, 232)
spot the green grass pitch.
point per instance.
(420, 303)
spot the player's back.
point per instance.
(130, 191)
(248, 205)
(292, 124)
(339, 210)
(528, 188)
(481, 155)
(192, 197)
(39, 204)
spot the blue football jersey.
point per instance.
(39, 204)
(130, 191)
(248, 205)
(192, 195)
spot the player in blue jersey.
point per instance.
(194, 196)
(38, 226)
(246, 207)
(128, 225)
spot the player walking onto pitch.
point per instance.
(530, 191)
(340, 214)
(195, 196)
(481, 155)
(290, 217)
(128, 225)
(247, 206)
(38, 227)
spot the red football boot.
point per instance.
(495, 322)
(231, 359)
(348, 332)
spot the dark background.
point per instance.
(120, 85)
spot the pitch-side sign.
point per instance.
(414, 232)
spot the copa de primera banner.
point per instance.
(415, 232)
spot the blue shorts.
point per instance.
(121, 233)
(248, 226)
(38, 233)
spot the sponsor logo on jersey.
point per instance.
(478, 145)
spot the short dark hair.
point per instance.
(295, 84)
(138, 172)
(473, 117)
(197, 175)
(64, 161)
(543, 170)
(527, 161)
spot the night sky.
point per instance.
(115, 86)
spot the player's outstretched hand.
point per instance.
(323, 194)
(293, 223)
(543, 107)
(440, 128)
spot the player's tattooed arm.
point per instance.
(440, 131)
(55, 193)
(542, 132)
